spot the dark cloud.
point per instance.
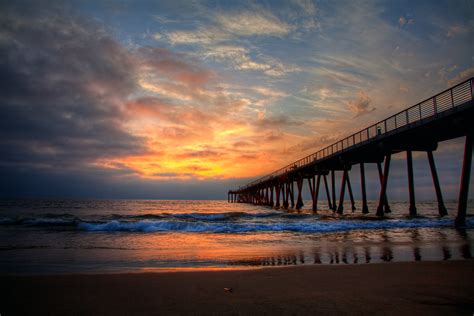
(242, 144)
(110, 184)
(64, 82)
(199, 154)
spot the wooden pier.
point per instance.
(447, 115)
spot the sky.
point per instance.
(188, 99)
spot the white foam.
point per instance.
(241, 227)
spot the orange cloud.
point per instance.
(198, 128)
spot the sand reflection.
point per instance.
(414, 248)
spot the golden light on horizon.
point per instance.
(173, 167)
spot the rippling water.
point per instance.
(62, 236)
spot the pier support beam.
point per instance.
(316, 193)
(349, 188)
(271, 195)
(292, 193)
(385, 203)
(277, 195)
(266, 200)
(327, 192)
(383, 190)
(365, 208)
(333, 184)
(411, 185)
(286, 195)
(299, 200)
(464, 190)
(311, 182)
(340, 208)
(439, 196)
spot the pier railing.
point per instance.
(448, 99)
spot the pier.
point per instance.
(447, 115)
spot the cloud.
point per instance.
(242, 144)
(307, 5)
(268, 92)
(218, 35)
(252, 23)
(276, 122)
(455, 30)
(63, 85)
(200, 154)
(92, 104)
(202, 35)
(161, 62)
(155, 108)
(227, 52)
(461, 76)
(314, 144)
(404, 88)
(403, 21)
(239, 57)
(306, 19)
(229, 25)
(362, 105)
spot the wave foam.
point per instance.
(236, 227)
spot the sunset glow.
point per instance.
(198, 91)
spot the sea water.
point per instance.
(106, 236)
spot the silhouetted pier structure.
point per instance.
(445, 116)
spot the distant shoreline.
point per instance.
(443, 287)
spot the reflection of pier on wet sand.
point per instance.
(384, 250)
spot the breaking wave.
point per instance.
(230, 222)
(240, 227)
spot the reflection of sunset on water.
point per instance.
(153, 235)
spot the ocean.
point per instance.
(55, 236)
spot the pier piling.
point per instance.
(299, 200)
(439, 196)
(383, 190)
(340, 208)
(316, 193)
(411, 185)
(327, 192)
(349, 188)
(465, 177)
(385, 201)
(365, 208)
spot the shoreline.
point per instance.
(216, 269)
(435, 287)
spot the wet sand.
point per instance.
(389, 288)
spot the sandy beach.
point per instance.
(392, 288)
